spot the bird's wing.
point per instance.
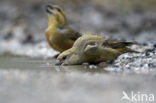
(114, 44)
(73, 35)
(92, 46)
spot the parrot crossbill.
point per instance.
(91, 48)
(59, 34)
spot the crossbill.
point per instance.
(93, 49)
(59, 34)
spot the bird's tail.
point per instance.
(128, 43)
(130, 50)
(126, 49)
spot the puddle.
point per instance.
(40, 81)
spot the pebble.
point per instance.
(92, 66)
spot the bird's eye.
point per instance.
(63, 58)
(58, 9)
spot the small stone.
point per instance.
(148, 51)
(92, 66)
(154, 45)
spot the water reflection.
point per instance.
(46, 64)
(75, 68)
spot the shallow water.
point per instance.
(37, 80)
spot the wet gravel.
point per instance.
(144, 62)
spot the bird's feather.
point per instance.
(115, 44)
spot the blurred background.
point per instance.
(99, 16)
(28, 74)
(25, 20)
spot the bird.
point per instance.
(93, 49)
(59, 34)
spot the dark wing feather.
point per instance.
(114, 44)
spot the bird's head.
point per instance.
(70, 57)
(55, 15)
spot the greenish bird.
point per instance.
(91, 48)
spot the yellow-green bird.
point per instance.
(59, 34)
(92, 48)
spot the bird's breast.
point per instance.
(58, 41)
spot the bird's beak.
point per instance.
(63, 64)
(58, 62)
(49, 9)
